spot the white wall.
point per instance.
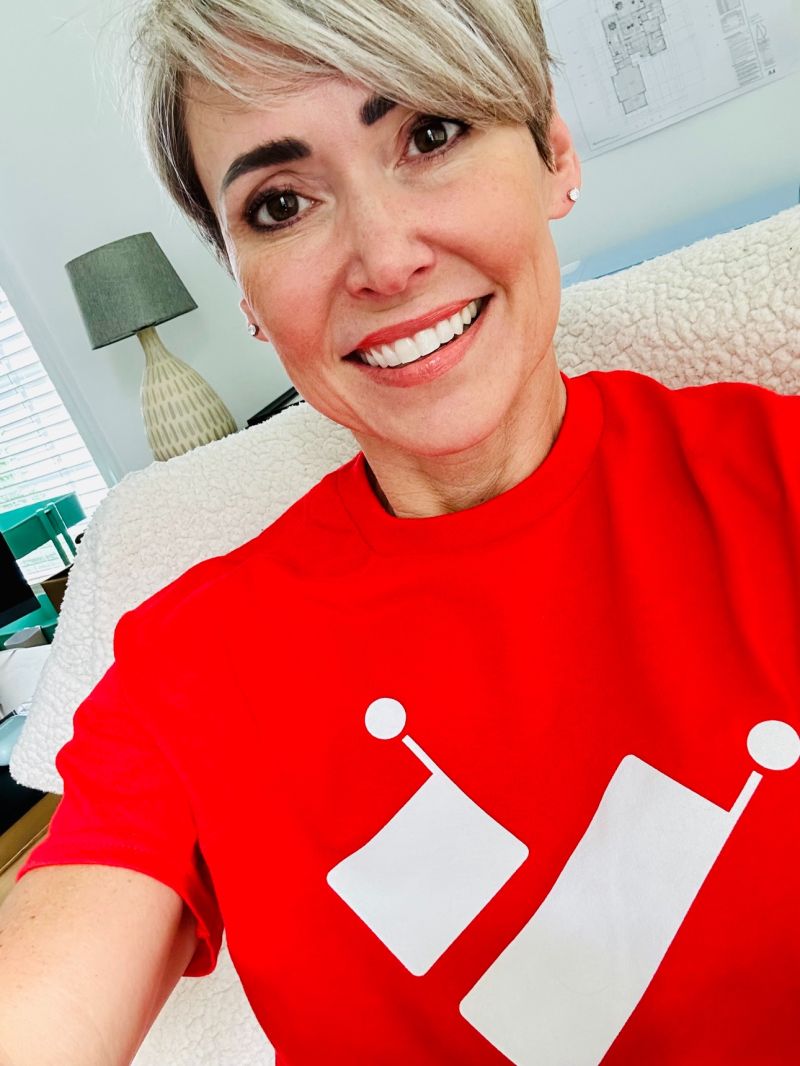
(72, 178)
(741, 148)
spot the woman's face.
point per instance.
(341, 224)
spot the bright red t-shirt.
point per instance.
(518, 783)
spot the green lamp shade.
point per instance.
(126, 286)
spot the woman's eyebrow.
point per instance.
(373, 109)
(288, 149)
(270, 154)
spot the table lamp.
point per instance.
(129, 286)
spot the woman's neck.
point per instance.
(412, 486)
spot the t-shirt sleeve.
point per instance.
(124, 805)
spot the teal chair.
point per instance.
(27, 528)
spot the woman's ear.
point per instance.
(252, 326)
(566, 174)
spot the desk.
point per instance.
(286, 399)
(17, 841)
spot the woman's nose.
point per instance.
(385, 244)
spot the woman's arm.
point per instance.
(88, 956)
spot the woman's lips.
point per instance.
(428, 367)
(410, 327)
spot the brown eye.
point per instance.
(274, 209)
(430, 136)
(281, 206)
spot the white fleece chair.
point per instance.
(727, 308)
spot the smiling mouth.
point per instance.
(423, 344)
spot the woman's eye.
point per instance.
(274, 207)
(282, 206)
(435, 133)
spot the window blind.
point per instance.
(41, 452)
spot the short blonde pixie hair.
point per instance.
(482, 61)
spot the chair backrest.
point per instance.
(723, 309)
(726, 308)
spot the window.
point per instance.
(41, 451)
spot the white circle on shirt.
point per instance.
(385, 718)
(774, 745)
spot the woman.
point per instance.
(497, 731)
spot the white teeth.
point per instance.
(444, 331)
(427, 341)
(409, 349)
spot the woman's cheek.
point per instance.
(267, 289)
(295, 319)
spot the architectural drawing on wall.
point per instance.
(630, 67)
(635, 30)
(752, 65)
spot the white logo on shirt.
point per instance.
(561, 991)
(433, 867)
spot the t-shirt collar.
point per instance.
(526, 503)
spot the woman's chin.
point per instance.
(448, 434)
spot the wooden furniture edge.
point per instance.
(19, 838)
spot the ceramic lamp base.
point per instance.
(181, 411)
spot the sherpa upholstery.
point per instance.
(727, 308)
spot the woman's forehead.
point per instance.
(223, 128)
(254, 90)
(283, 108)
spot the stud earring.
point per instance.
(574, 194)
(252, 329)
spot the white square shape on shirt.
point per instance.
(420, 881)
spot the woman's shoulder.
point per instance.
(678, 389)
(232, 585)
(723, 434)
(701, 408)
